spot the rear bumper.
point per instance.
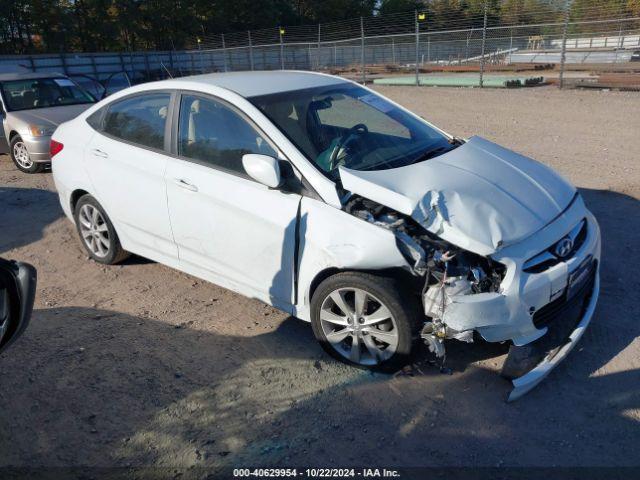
(38, 148)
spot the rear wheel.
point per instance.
(97, 234)
(21, 158)
(365, 320)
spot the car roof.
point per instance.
(251, 84)
(28, 76)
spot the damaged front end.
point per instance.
(463, 292)
(444, 271)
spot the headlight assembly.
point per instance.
(40, 131)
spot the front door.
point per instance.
(228, 228)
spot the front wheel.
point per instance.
(21, 158)
(366, 320)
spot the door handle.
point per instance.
(99, 153)
(186, 185)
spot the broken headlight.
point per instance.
(429, 256)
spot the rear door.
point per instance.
(126, 160)
(229, 229)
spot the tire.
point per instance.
(376, 347)
(20, 157)
(97, 234)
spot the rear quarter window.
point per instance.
(95, 119)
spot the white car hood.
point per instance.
(479, 196)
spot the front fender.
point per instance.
(330, 238)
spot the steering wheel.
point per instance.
(350, 135)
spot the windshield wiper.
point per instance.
(432, 153)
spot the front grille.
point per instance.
(563, 306)
(547, 258)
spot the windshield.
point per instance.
(42, 93)
(347, 125)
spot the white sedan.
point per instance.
(325, 199)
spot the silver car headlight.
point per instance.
(40, 131)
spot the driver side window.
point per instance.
(216, 134)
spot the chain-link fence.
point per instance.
(408, 42)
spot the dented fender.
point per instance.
(332, 239)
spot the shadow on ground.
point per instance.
(24, 215)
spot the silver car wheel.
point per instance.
(94, 230)
(21, 155)
(359, 326)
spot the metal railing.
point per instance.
(408, 42)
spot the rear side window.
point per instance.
(213, 133)
(140, 119)
(95, 119)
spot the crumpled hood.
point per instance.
(479, 196)
(51, 116)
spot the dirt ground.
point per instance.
(140, 365)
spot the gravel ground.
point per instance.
(142, 365)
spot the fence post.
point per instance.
(121, 61)
(224, 52)
(563, 53)
(93, 65)
(620, 38)
(417, 47)
(250, 50)
(280, 31)
(393, 50)
(362, 49)
(63, 60)
(200, 54)
(484, 39)
(510, 44)
(146, 63)
(318, 52)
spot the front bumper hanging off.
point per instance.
(566, 321)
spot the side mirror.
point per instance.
(263, 169)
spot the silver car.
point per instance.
(32, 105)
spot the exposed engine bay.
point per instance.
(443, 270)
(465, 223)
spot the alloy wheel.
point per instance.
(21, 155)
(94, 230)
(359, 326)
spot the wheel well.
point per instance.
(75, 196)
(320, 277)
(12, 134)
(412, 282)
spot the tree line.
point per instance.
(37, 26)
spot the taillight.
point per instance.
(55, 148)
